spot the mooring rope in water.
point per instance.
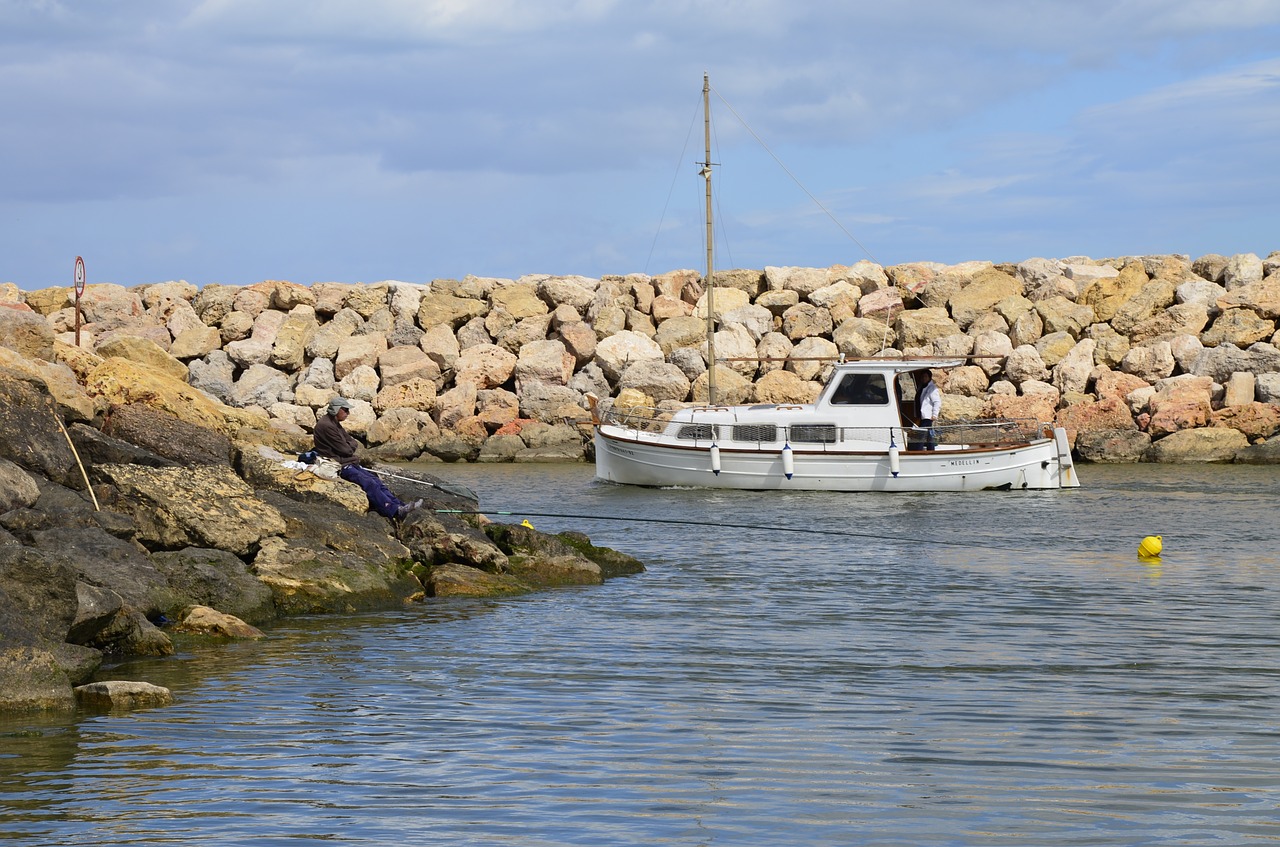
(684, 522)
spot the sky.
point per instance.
(232, 141)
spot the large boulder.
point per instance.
(615, 353)
(166, 435)
(659, 380)
(25, 332)
(202, 506)
(35, 442)
(1113, 446)
(1206, 444)
(121, 381)
(988, 287)
(101, 559)
(330, 560)
(202, 576)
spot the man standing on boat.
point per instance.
(928, 404)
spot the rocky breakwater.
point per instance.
(135, 510)
(1155, 358)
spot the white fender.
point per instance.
(715, 459)
(895, 463)
(788, 461)
(1066, 467)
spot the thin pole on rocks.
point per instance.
(76, 453)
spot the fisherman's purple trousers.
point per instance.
(381, 500)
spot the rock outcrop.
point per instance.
(171, 511)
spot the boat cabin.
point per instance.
(866, 403)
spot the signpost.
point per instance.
(79, 291)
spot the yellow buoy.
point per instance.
(1151, 546)
(525, 522)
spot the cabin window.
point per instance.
(814, 433)
(697, 432)
(861, 390)
(755, 432)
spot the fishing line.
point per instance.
(722, 524)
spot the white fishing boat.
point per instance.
(861, 434)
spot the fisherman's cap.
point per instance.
(338, 403)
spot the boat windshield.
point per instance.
(861, 390)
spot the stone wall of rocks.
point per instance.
(1157, 358)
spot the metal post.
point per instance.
(711, 308)
(79, 291)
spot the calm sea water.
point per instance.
(959, 669)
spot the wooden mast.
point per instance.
(711, 310)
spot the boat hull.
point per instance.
(632, 457)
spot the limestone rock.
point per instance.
(121, 381)
(1207, 444)
(1240, 327)
(785, 387)
(546, 361)
(614, 353)
(803, 281)
(485, 366)
(57, 380)
(259, 385)
(883, 304)
(454, 580)
(42, 448)
(1115, 446)
(1150, 362)
(25, 332)
(415, 394)
(1023, 364)
(1156, 295)
(659, 380)
(1242, 269)
(987, 288)
(1258, 421)
(805, 320)
(203, 506)
(1107, 290)
(441, 308)
(143, 352)
(195, 343)
(122, 694)
(1262, 297)
(202, 620)
(732, 388)
(166, 435)
(812, 358)
(1062, 315)
(357, 350)
(918, 327)
(1267, 453)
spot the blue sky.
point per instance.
(234, 141)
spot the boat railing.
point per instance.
(1002, 432)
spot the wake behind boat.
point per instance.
(860, 435)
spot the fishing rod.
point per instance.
(456, 489)
(684, 522)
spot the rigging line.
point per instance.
(684, 522)
(720, 216)
(670, 191)
(816, 201)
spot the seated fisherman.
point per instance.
(333, 442)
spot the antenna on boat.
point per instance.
(711, 311)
